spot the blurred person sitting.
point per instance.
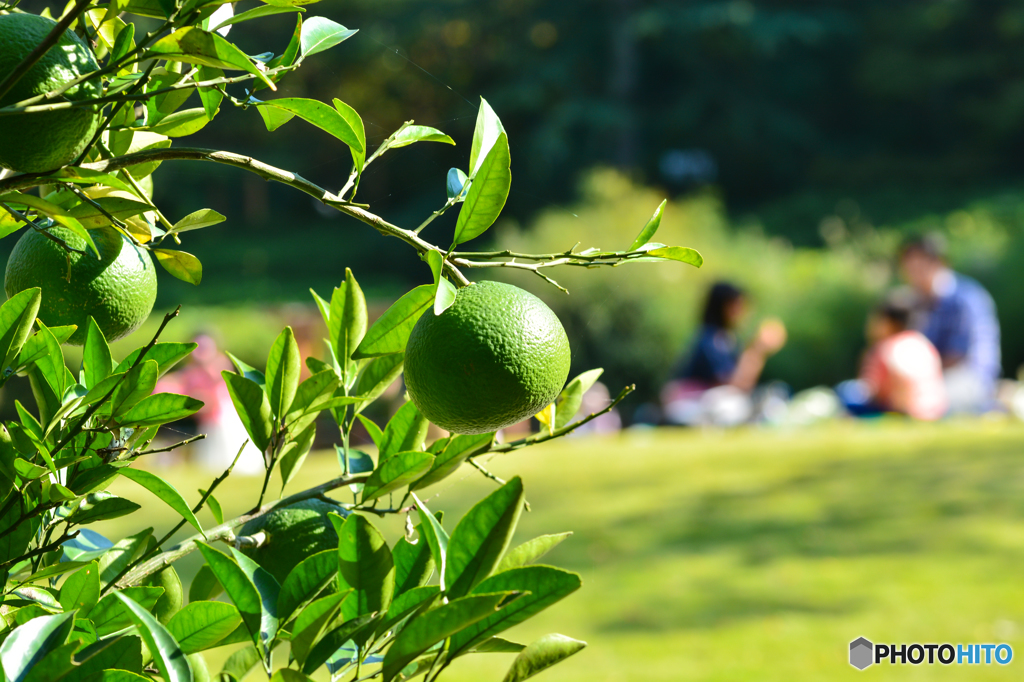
(959, 317)
(901, 371)
(714, 383)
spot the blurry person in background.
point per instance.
(901, 371)
(959, 317)
(713, 384)
(200, 377)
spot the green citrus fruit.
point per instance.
(497, 356)
(293, 533)
(42, 141)
(118, 289)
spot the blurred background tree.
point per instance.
(804, 136)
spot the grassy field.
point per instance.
(753, 555)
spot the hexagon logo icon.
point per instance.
(861, 653)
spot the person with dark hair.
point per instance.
(959, 317)
(717, 361)
(901, 371)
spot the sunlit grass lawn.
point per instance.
(752, 555)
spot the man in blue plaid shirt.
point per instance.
(959, 317)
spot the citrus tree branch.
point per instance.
(28, 107)
(226, 529)
(265, 171)
(42, 48)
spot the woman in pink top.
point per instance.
(902, 371)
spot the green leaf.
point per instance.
(288, 675)
(253, 407)
(414, 563)
(269, 591)
(239, 664)
(205, 585)
(456, 451)
(97, 361)
(100, 507)
(256, 13)
(376, 435)
(214, 506)
(312, 393)
(366, 566)
(497, 645)
(323, 116)
(395, 473)
(390, 332)
(211, 97)
(571, 397)
(198, 219)
(530, 551)
(182, 123)
(162, 408)
(647, 233)
(348, 318)
(248, 371)
(51, 365)
(123, 43)
(286, 58)
(541, 586)
(166, 355)
(487, 193)
(306, 581)
(181, 264)
(482, 537)
(541, 655)
(122, 208)
(444, 291)
(436, 537)
(412, 134)
(116, 559)
(432, 627)
(405, 431)
(355, 121)
(165, 491)
(294, 453)
(274, 118)
(58, 214)
(86, 176)
(319, 34)
(81, 589)
(311, 623)
(35, 347)
(375, 378)
(405, 604)
(118, 676)
(331, 642)
(17, 315)
(29, 644)
(201, 625)
(455, 183)
(238, 586)
(167, 655)
(196, 46)
(678, 253)
(485, 135)
(111, 615)
(283, 367)
(137, 384)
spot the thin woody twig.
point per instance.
(226, 529)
